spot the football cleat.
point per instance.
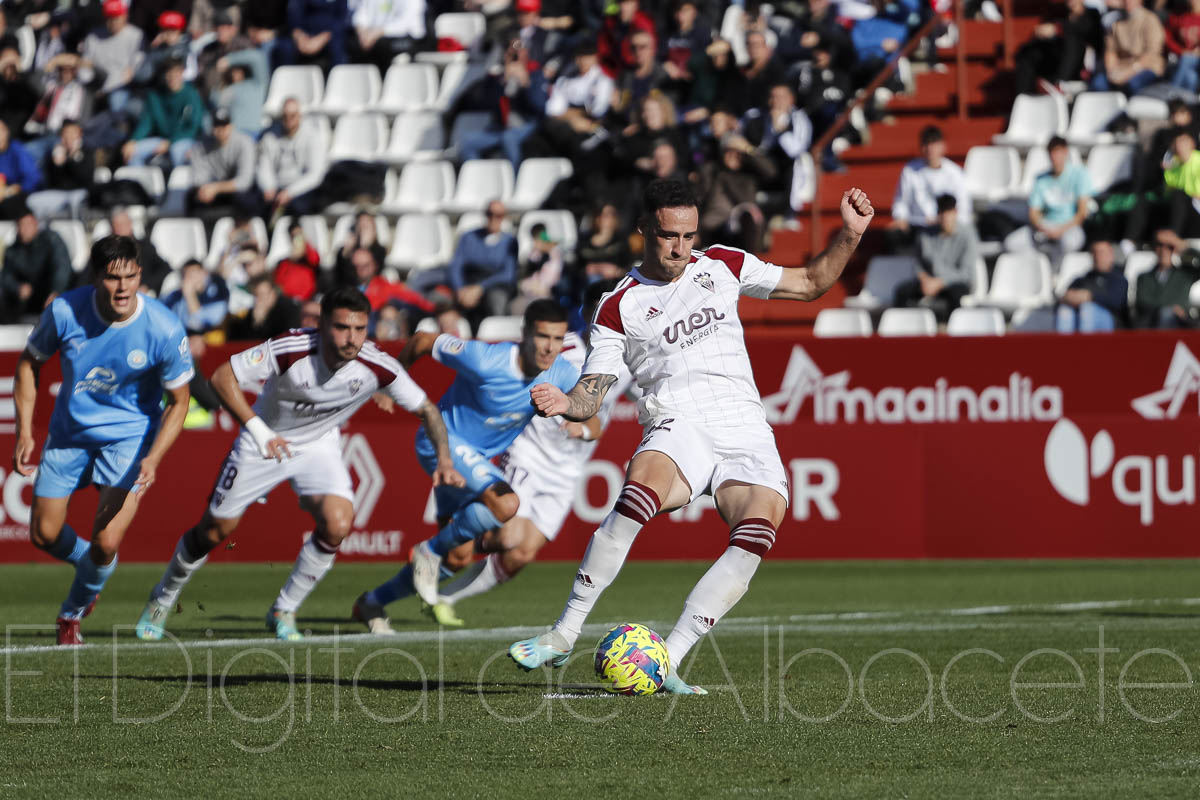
(677, 685)
(68, 631)
(149, 627)
(372, 615)
(533, 653)
(283, 625)
(427, 568)
(443, 614)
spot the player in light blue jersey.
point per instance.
(485, 408)
(120, 351)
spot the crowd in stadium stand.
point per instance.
(629, 91)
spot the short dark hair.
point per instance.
(1183, 132)
(193, 262)
(946, 202)
(544, 310)
(1055, 143)
(348, 297)
(931, 134)
(667, 193)
(1177, 104)
(587, 49)
(112, 248)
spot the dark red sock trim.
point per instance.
(754, 535)
(638, 502)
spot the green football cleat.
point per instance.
(677, 685)
(533, 653)
(149, 627)
(443, 614)
(283, 625)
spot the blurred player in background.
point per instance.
(486, 407)
(121, 350)
(309, 382)
(543, 466)
(674, 323)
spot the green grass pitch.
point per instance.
(854, 679)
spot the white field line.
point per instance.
(914, 620)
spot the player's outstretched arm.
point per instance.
(582, 402)
(419, 346)
(24, 398)
(168, 432)
(225, 384)
(435, 427)
(813, 280)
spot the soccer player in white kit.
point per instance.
(673, 321)
(543, 466)
(309, 382)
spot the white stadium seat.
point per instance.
(430, 325)
(151, 179)
(1019, 281)
(466, 28)
(884, 274)
(837, 322)
(305, 83)
(536, 178)
(975, 322)
(351, 88)
(1136, 263)
(1072, 266)
(74, 235)
(13, 339)
(481, 181)
(409, 87)
(1109, 164)
(1090, 116)
(359, 137)
(416, 136)
(421, 186)
(1035, 119)
(8, 232)
(422, 241)
(178, 240)
(26, 46)
(804, 182)
(560, 225)
(220, 239)
(456, 77)
(1150, 108)
(992, 173)
(1037, 161)
(499, 329)
(103, 227)
(908, 322)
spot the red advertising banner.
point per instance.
(1019, 446)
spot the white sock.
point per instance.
(315, 559)
(179, 572)
(714, 594)
(480, 577)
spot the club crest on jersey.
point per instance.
(136, 359)
(652, 313)
(453, 345)
(705, 280)
(355, 385)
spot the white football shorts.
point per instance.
(545, 491)
(315, 468)
(710, 456)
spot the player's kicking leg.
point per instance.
(508, 550)
(653, 483)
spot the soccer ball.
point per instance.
(632, 659)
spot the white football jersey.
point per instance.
(544, 442)
(300, 399)
(683, 341)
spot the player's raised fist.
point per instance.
(857, 212)
(548, 399)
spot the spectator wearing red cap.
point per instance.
(530, 31)
(383, 29)
(116, 51)
(614, 45)
(172, 43)
(148, 14)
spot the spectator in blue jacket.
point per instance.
(1096, 301)
(19, 175)
(516, 97)
(317, 33)
(878, 38)
(202, 300)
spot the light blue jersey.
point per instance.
(488, 404)
(113, 374)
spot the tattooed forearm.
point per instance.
(435, 428)
(584, 400)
